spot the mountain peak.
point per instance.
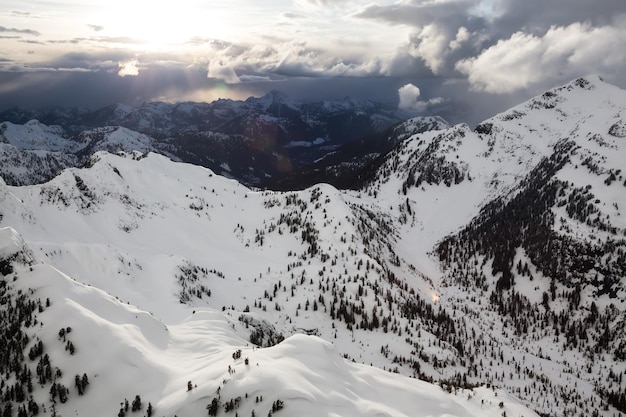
(10, 242)
(273, 98)
(278, 95)
(588, 81)
(12, 246)
(589, 95)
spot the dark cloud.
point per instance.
(88, 60)
(30, 41)
(404, 64)
(96, 28)
(21, 31)
(53, 88)
(419, 14)
(502, 19)
(290, 15)
(92, 89)
(537, 16)
(327, 3)
(122, 40)
(442, 32)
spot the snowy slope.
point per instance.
(519, 225)
(163, 236)
(434, 170)
(34, 153)
(113, 139)
(23, 166)
(35, 135)
(125, 353)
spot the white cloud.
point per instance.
(128, 68)
(409, 96)
(431, 46)
(462, 36)
(525, 60)
(298, 59)
(218, 69)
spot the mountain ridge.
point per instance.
(406, 273)
(253, 141)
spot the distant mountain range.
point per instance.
(487, 262)
(256, 141)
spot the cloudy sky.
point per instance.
(464, 59)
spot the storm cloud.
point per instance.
(506, 46)
(523, 59)
(20, 31)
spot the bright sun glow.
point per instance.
(161, 25)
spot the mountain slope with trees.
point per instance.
(255, 141)
(478, 260)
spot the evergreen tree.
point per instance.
(33, 407)
(8, 408)
(78, 384)
(53, 393)
(20, 396)
(136, 403)
(62, 391)
(84, 381)
(213, 407)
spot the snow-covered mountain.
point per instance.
(34, 153)
(522, 218)
(213, 282)
(253, 141)
(487, 261)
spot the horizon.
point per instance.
(325, 90)
(453, 114)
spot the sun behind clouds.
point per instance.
(161, 25)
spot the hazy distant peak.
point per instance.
(273, 98)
